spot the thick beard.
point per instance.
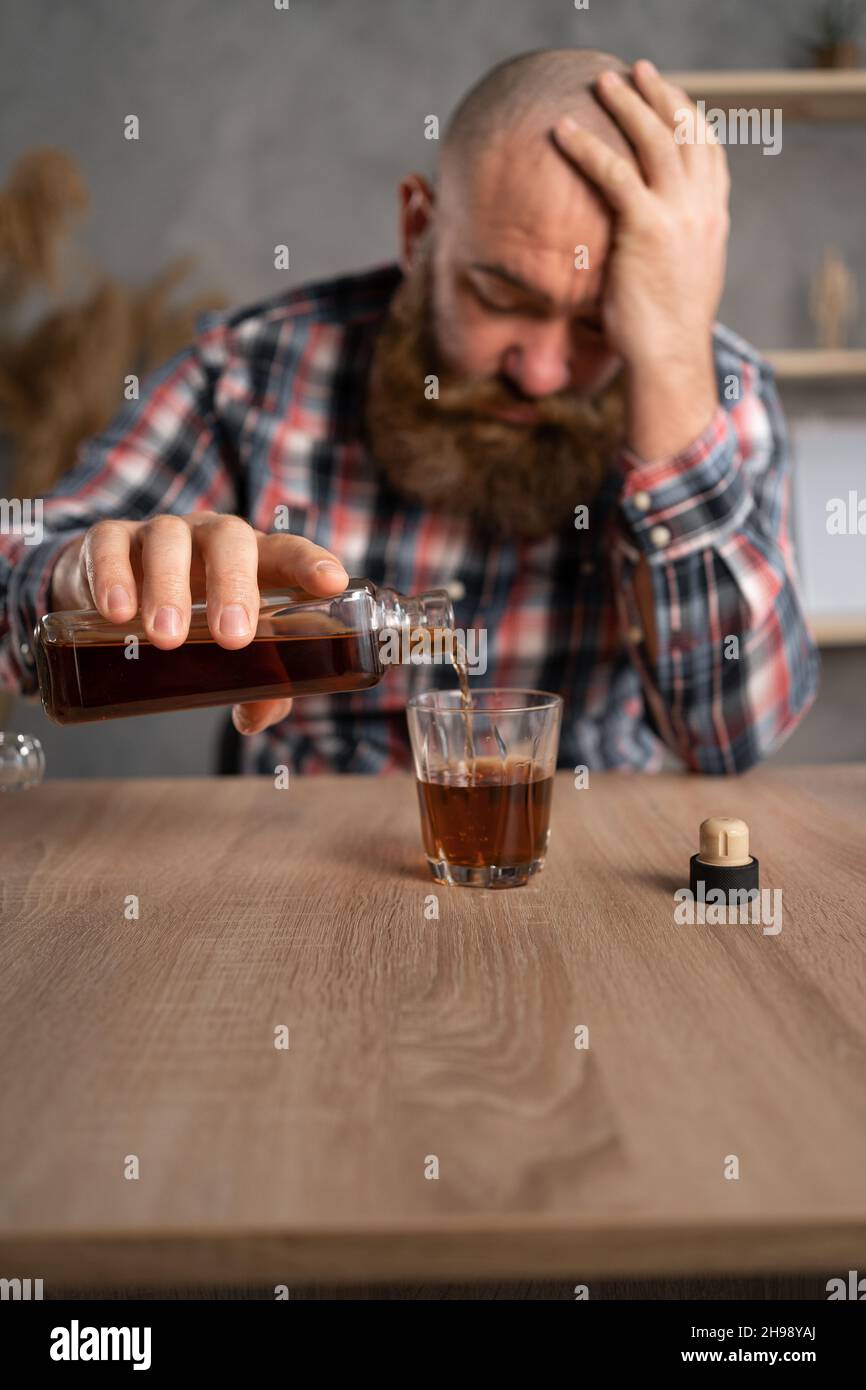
(514, 482)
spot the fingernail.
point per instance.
(567, 123)
(234, 621)
(239, 719)
(167, 621)
(118, 597)
(329, 569)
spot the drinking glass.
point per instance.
(485, 782)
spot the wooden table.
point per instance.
(411, 1037)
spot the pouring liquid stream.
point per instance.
(458, 661)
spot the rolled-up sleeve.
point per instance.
(736, 666)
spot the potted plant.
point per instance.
(834, 44)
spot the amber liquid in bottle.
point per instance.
(82, 681)
(92, 669)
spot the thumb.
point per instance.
(256, 715)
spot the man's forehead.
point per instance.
(524, 215)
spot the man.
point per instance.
(546, 357)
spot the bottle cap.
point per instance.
(723, 860)
(724, 841)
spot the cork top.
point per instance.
(724, 841)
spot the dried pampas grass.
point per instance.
(44, 196)
(62, 381)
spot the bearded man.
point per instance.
(535, 408)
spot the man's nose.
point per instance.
(539, 364)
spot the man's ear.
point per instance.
(416, 213)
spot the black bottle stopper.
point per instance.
(723, 860)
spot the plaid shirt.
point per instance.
(263, 411)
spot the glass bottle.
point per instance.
(91, 669)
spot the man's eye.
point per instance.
(492, 307)
(523, 311)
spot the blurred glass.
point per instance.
(22, 761)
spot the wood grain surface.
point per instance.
(411, 1037)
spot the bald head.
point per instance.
(523, 98)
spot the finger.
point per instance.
(692, 135)
(229, 551)
(651, 134)
(164, 550)
(616, 178)
(665, 99)
(294, 560)
(255, 715)
(105, 560)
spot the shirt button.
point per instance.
(587, 567)
(635, 635)
(456, 590)
(659, 535)
(642, 501)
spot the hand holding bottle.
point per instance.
(160, 566)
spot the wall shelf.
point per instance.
(818, 364)
(808, 94)
(846, 631)
(803, 94)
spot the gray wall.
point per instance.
(261, 126)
